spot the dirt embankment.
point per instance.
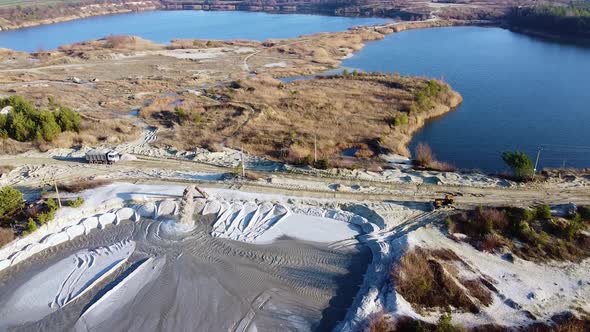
(23, 17)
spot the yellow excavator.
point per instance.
(444, 202)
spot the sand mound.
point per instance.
(62, 283)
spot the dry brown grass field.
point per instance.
(283, 121)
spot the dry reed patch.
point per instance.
(425, 158)
(113, 131)
(320, 50)
(10, 146)
(81, 185)
(428, 279)
(6, 169)
(6, 236)
(527, 233)
(282, 121)
(380, 322)
(476, 289)
(207, 43)
(112, 42)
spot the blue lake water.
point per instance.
(162, 26)
(519, 93)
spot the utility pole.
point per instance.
(243, 164)
(537, 160)
(57, 192)
(315, 148)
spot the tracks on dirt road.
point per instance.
(465, 195)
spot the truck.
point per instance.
(102, 156)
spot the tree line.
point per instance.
(25, 123)
(563, 20)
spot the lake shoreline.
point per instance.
(547, 35)
(94, 11)
(146, 6)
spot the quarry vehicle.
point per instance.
(444, 202)
(102, 156)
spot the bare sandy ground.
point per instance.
(249, 265)
(175, 282)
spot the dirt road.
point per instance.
(40, 171)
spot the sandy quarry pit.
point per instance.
(131, 229)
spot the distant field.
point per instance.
(24, 3)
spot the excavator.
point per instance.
(446, 202)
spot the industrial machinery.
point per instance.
(102, 156)
(447, 201)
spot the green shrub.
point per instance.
(584, 212)
(11, 200)
(237, 171)
(527, 214)
(52, 205)
(573, 226)
(68, 120)
(45, 217)
(425, 96)
(20, 127)
(47, 128)
(3, 120)
(543, 238)
(520, 163)
(198, 118)
(525, 232)
(543, 212)
(445, 324)
(322, 163)
(400, 120)
(76, 202)
(31, 226)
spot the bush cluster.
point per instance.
(48, 214)
(30, 227)
(75, 203)
(26, 123)
(539, 233)
(400, 120)
(11, 201)
(425, 96)
(521, 165)
(424, 158)
(183, 116)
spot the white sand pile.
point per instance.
(120, 296)
(202, 54)
(187, 206)
(264, 222)
(281, 64)
(102, 207)
(62, 283)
